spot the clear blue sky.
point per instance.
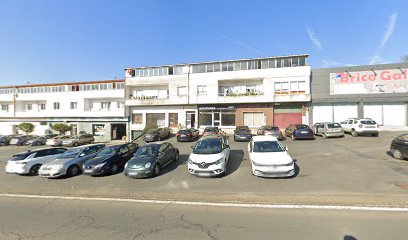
(79, 40)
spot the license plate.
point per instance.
(182, 135)
(303, 132)
(132, 173)
(88, 170)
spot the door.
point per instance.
(282, 120)
(320, 128)
(163, 154)
(216, 119)
(323, 113)
(190, 121)
(74, 130)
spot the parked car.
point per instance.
(328, 129)
(21, 139)
(399, 147)
(70, 162)
(364, 126)
(5, 140)
(29, 162)
(187, 134)
(149, 160)
(242, 133)
(78, 140)
(211, 131)
(156, 134)
(36, 141)
(269, 158)
(210, 156)
(299, 131)
(109, 160)
(56, 141)
(270, 131)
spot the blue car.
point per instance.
(299, 131)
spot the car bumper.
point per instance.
(210, 171)
(185, 139)
(17, 168)
(338, 134)
(95, 171)
(138, 173)
(273, 171)
(363, 132)
(52, 173)
(304, 136)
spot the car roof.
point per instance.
(262, 138)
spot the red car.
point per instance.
(211, 131)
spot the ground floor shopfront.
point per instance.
(103, 129)
(385, 112)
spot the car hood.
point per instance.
(270, 158)
(61, 161)
(141, 161)
(207, 158)
(99, 160)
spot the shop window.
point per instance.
(205, 118)
(254, 119)
(228, 119)
(173, 120)
(137, 118)
(98, 129)
(157, 119)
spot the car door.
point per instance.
(161, 157)
(320, 128)
(168, 152)
(226, 149)
(124, 155)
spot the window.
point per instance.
(182, 91)
(137, 118)
(42, 106)
(4, 107)
(98, 129)
(157, 119)
(173, 120)
(251, 89)
(73, 105)
(119, 105)
(105, 105)
(29, 107)
(201, 89)
(177, 70)
(254, 119)
(227, 119)
(56, 105)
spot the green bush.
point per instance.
(61, 128)
(148, 127)
(26, 127)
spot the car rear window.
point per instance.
(185, 131)
(333, 125)
(302, 126)
(272, 129)
(368, 122)
(211, 130)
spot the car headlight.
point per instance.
(190, 161)
(256, 164)
(148, 165)
(100, 165)
(126, 164)
(219, 161)
(22, 163)
(288, 164)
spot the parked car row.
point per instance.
(50, 140)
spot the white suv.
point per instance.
(363, 126)
(210, 156)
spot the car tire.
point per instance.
(397, 154)
(114, 168)
(375, 134)
(176, 156)
(34, 169)
(354, 133)
(73, 170)
(324, 135)
(75, 144)
(156, 170)
(91, 142)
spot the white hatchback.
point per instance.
(269, 158)
(210, 156)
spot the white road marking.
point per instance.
(211, 204)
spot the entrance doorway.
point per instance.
(118, 131)
(74, 130)
(190, 121)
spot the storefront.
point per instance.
(379, 92)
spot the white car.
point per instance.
(364, 126)
(210, 156)
(269, 158)
(29, 162)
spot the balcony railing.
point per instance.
(147, 97)
(237, 94)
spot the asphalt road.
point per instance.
(74, 219)
(342, 171)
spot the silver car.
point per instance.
(78, 140)
(70, 162)
(328, 129)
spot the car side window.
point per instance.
(59, 150)
(131, 146)
(124, 150)
(163, 147)
(42, 153)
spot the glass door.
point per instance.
(216, 119)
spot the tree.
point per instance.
(61, 128)
(26, 127)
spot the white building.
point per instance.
(95, 107)
(253, 92)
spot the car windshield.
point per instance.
(211, 130)
(185, 131)
(152, 131)
(368, 122)
(242, 129)
(272, 129)
(147, 151)
(20, 156)
(208, 146)
(333, 125)
(268, 146)
(108, 151)
(302, 126)
(71, 153)
(403, 137)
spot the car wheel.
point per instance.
(397, 154)
(75, 144)
(92, 141)
(34, 169)
(176, 156)
(354, 133)
(114, 168)
(73, 170)
(156, 170)
(324, 135)
(375, 134)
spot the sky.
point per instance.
(47, 41)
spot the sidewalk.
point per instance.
(394, 128)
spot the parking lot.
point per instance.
(335, 171)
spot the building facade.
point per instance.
(379, 92)
(95, 107)
(252, 92)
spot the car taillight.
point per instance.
(189, 134)
(178, 134)
(360, 125)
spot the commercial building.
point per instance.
(379, 92)
(252, 92)
(95, 107)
